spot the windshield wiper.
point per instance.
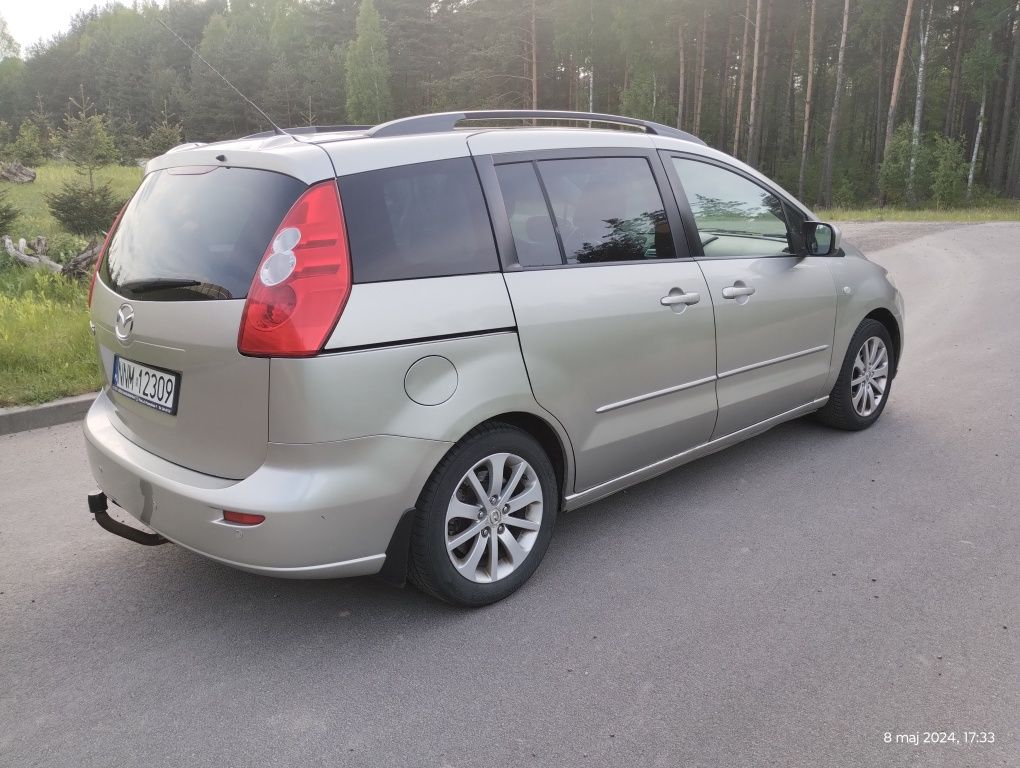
(192, 289)
(157, 284)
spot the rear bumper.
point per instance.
(330, 508)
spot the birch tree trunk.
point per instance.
(698, 96)
(681, 77)
(879, 105)
(724, 83)
(752, 112)
(534, 58)
(787, 121)
(977, 143)
(757, 138)
(743, 79)
(922, 61)
(825, 192)
(807, 99)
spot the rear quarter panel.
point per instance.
(360, 388)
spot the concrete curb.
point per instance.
(23, 418)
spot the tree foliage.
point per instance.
(82, 209)
(8, 45)
(354, 61)
(368, 70)
(85, 140)
(27, 148)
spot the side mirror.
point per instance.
(821, 239)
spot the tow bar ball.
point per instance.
(98, 506)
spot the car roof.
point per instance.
(303, 152)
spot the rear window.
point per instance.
(421, 220)
(197, 233)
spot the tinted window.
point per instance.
(607, 209)
(735, 217)
(423, 220)
(197, 233)
(532, 228)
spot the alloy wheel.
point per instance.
(870, 376)
(493, 519)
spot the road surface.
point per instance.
(788, 602)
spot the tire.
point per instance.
(451, 512)
(849, 406)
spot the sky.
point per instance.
(33, 20)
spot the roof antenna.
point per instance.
(276, 129)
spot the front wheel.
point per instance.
(485, 517)
(862, 389)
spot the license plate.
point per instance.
(155, 387)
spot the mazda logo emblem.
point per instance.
(125, 324)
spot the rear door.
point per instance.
(613, 316)
(167, 308)
(775, 307)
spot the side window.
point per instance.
(736, 218)
(532, 228)
(607, 209)
(422, 220)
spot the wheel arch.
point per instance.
(548, 437)
(887, 319)
(553, 441)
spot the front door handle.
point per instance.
(680, 298)
(737, 291)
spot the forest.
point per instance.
(844, 102)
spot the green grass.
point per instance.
(46, 349)
(35, 219)
(1000, 210)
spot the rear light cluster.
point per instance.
(102, 251)
(303, 280)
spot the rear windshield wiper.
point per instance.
(196, 287)
(157, 284)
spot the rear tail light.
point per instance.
(303, 280)
(242, 518)
(102, 251)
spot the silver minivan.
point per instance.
(405, 349)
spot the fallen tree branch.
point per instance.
(21, 257)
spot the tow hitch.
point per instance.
(98, 507)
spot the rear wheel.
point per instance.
(485, 517)
(862, 389)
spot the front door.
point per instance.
(617, 332)
(775, 308)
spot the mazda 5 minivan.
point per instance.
(406, 349)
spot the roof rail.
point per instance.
(308, 129)
(447, 121)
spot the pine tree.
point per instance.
(368, 70)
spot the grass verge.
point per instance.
(46, 349)
(1000, 210)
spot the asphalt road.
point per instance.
(785, 603)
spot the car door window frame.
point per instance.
(687, 213)
(505, 245)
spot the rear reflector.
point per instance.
(242, 518)
(303, 280)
